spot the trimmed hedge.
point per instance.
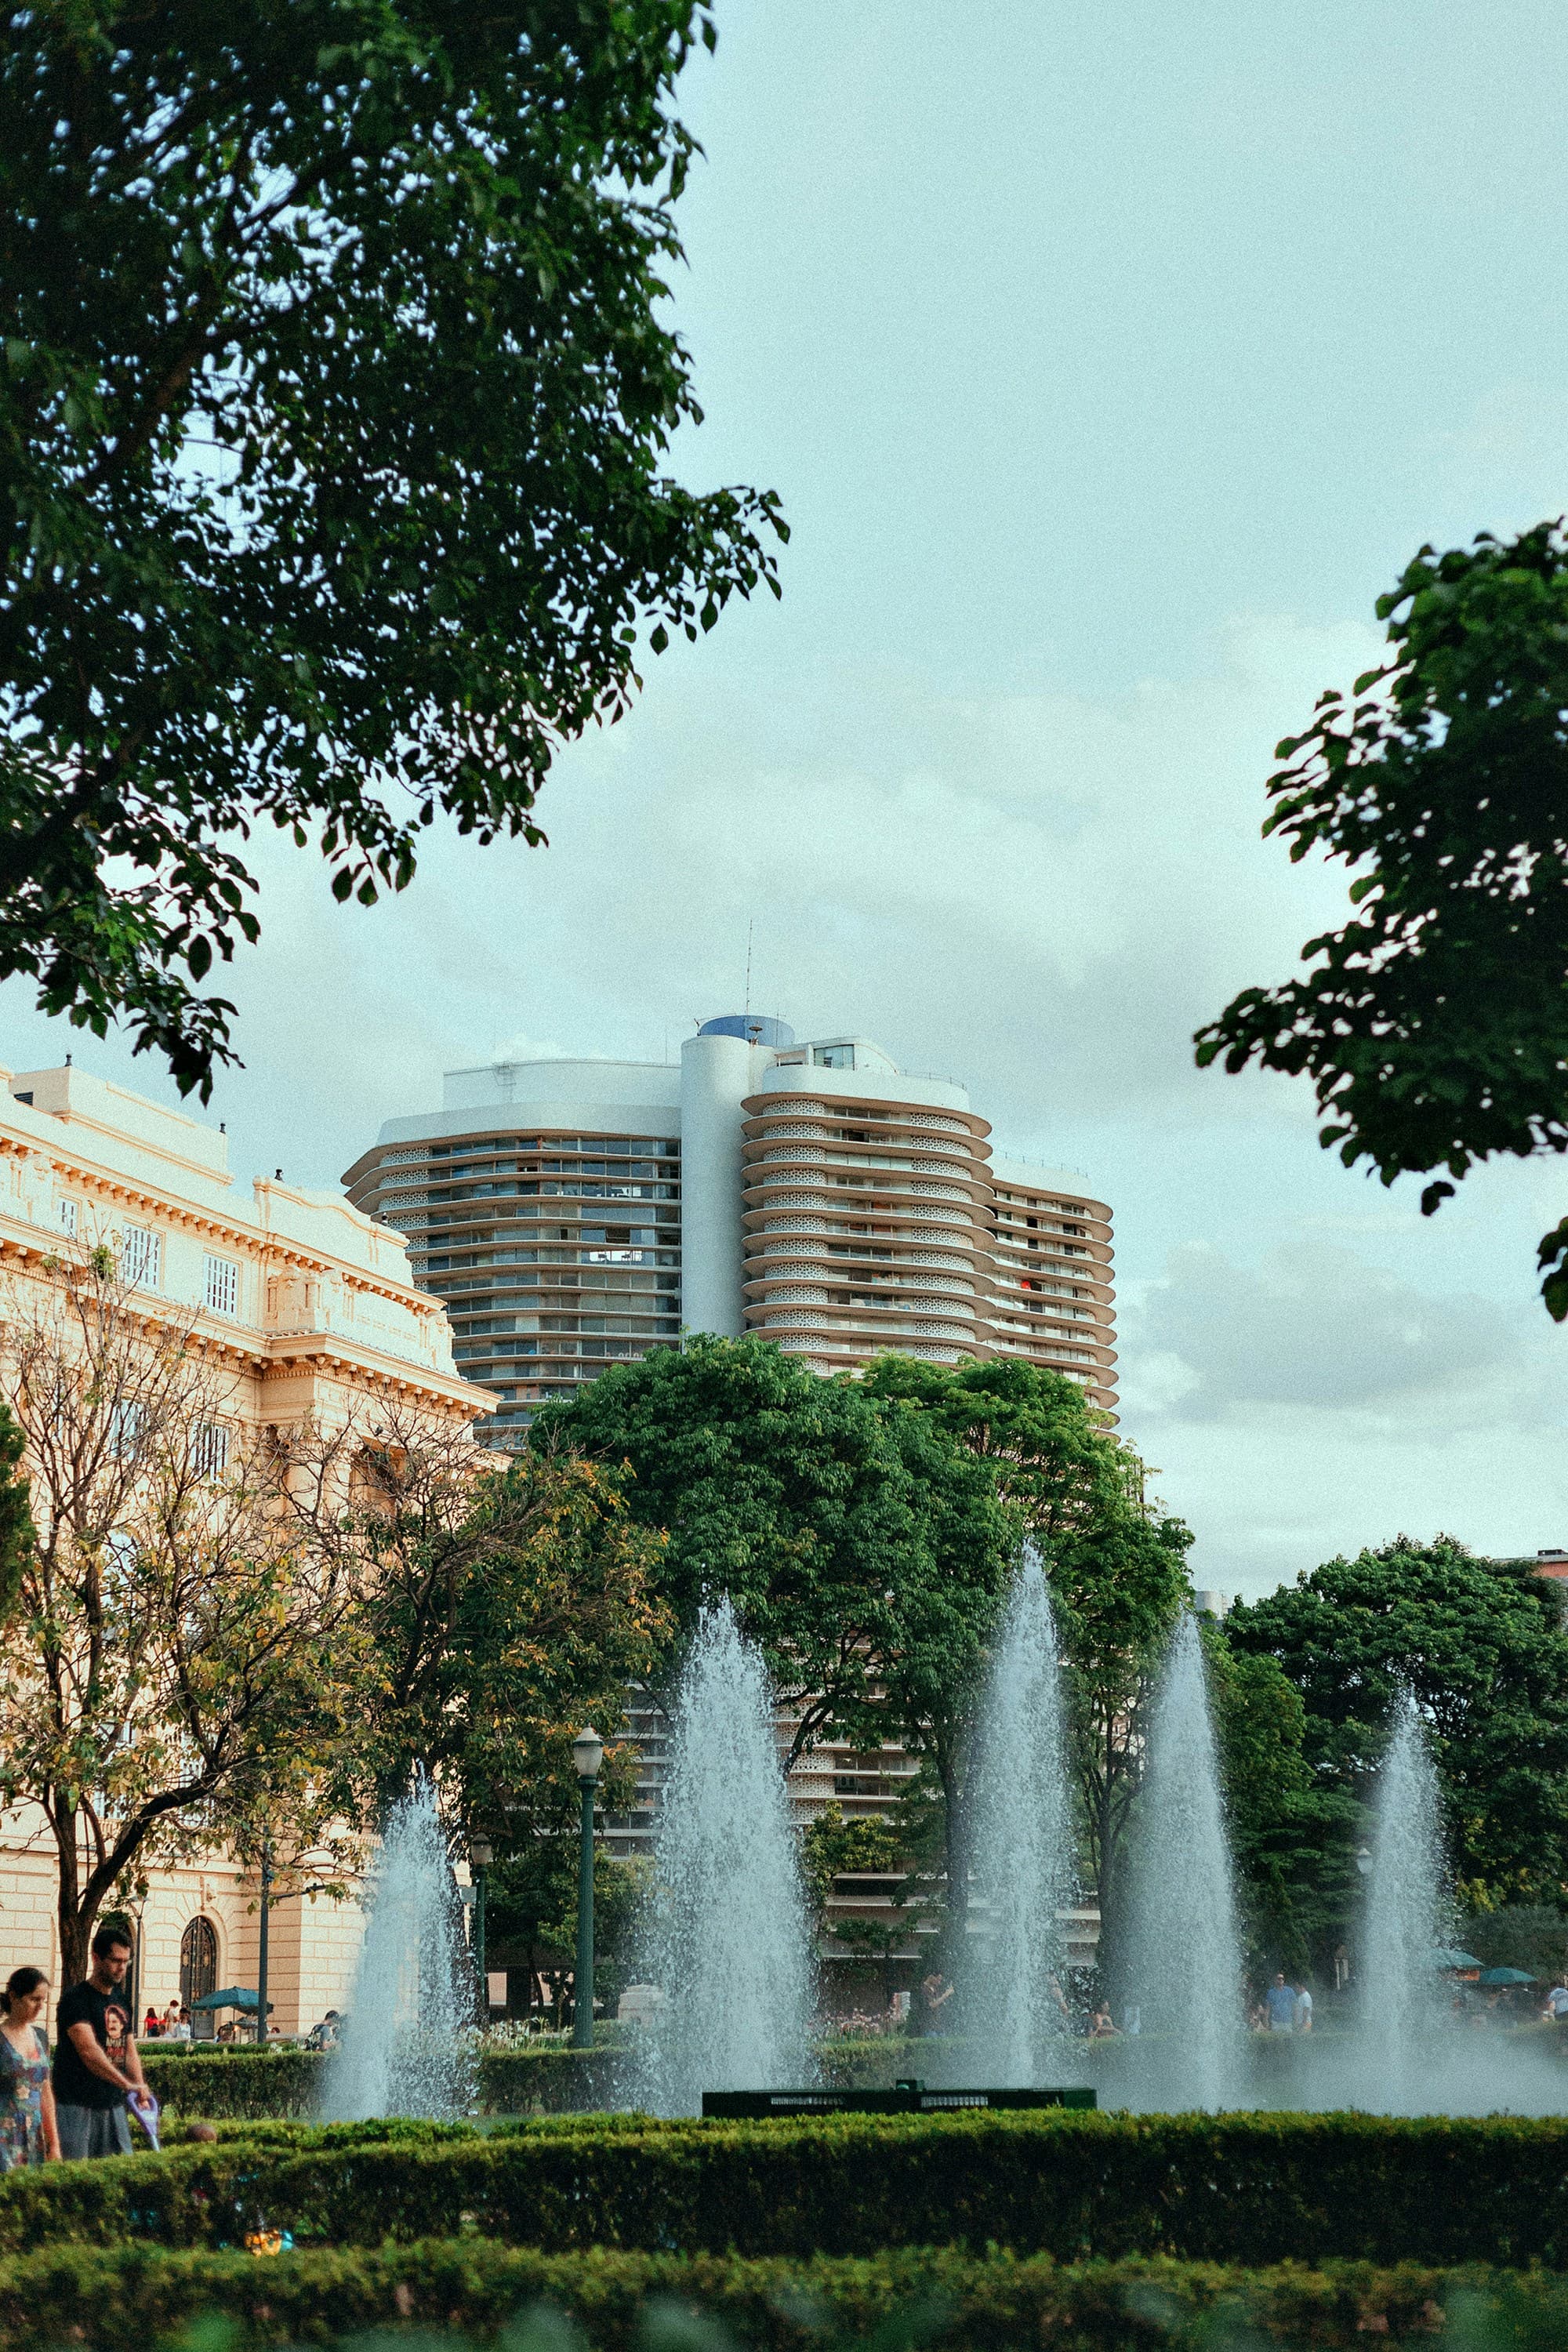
(969, 2303)
(239, 2081)
(233, 2080)
(1253, 2188)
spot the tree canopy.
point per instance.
(507, 1609)
(1117, 1570)
(1434, 1025)
(1480, 1644)
(853, 1541)
(1292, 1835)
(333, 402)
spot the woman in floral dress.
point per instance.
(27, 2132)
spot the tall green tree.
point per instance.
(1050, 1451)
(861, 1552)
(1479, 1643)
(1293, 1839)
(1119, 1586)
(506, 1609)
(1117, 1570)
(1434, 1025)
(335, 399)
(530, 1912)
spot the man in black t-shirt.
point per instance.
(96, 2059)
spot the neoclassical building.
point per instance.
(310, 1310)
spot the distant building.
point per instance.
(307, 1308)
(572, 1214)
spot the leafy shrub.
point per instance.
(1258, 2189)
(968, 2303)
(548, 2079)
(232, 2080)
(241, 2082)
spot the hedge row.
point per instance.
(1253, 2188)
(237, 2081)
(965, 2304)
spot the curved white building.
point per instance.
(572, 1213)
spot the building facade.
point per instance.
(570, 1215)
(307, 1310)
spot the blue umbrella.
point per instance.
(231, 1997)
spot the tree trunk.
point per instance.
(75, 1922)
(956, 1860)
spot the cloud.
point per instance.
(1041, 894)
(1319, 1328)
(1317, 1403)
(520, 1047)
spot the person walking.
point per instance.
(1303, 2010)
(935, 1993)
(1279, 2001)
(28, 2132)
(1556, 2009)
(96, 2060)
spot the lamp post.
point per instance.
(587, 1754)
(480, 1856)
(261, 1956)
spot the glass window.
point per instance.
(211, 1448)
(141, 1256)
(125, 1429)
(68, 1218)
(222, 1286)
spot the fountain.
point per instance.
(1011, 2009)
(725, 1934)
(408, 2047)
(1183, 1945)
(1401, 1992)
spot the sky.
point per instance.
(1110, 363)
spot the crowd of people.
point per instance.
(172, 2025)
(1283, 2005)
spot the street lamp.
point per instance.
(480, 1856)
(1364, 1861)
(263, 1940)
(587, 1755)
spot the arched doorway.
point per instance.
(199, 1973)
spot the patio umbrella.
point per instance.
(231, 1997)
(1445, 1956)
(1506, 1977)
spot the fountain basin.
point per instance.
(906, 2099)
